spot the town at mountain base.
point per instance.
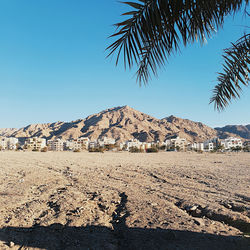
(122, 123)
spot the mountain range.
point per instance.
(240, 130)
(124, 123)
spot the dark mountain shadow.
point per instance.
(63, 128)
(59, 237)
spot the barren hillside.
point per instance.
(121, 123)
(240, 130)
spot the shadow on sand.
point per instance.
(60, 237)
(57, 236)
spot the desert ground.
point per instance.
(168, 200)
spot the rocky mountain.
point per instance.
(121, 123)
(7, 131)
(240, 130)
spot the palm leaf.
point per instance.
(235, 73)
(155, 29)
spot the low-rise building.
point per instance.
(105, 141)
(78, 144)
(68, 145)
(209, 146)
(35, 143)
(93, 144)
(133, 143)
(231, 142)
(246, 146)
(212, 144)
(3, 143)
(56, 145)
(146, 145)
(8, 143)
(176, 143)
(197, 146)
(83, 141)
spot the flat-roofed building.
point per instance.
(93, 144)
(8, 143)
(68, 145)
(105, 141)
(133, 143)
(198, 146)
(231, 142)
(83, 141)
(35, 143)
(56, 145)
(3, 143)
(209, 146)
(176, 143)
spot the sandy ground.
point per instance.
(124, 201)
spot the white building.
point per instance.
(176, 142)
(35, 143)
(146, 145)
(84, 142)
(231, 142)
(8, 143)
(209, 146)
(105, 141)
(198, 146)
(133, 143)
(77, 146)
(68, 145)
(93, 144)
(56, 145)
(130, 144)
(81, 143)
(3, 143)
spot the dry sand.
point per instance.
(124, 201)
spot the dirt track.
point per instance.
(124, 201)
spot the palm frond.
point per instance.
(235, 73)
(156, 29)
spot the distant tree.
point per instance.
(153, 149)
(155, 29)
(220, 147)
(98, 149)
(163, 147)
(67, 149)
(76, 150)
(170, 148)
(237, 149)
(109, 146)
(134, 150)
(45, 149)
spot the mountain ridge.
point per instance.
(241, 130)
(122, 123)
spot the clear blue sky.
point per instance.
(53, 67)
